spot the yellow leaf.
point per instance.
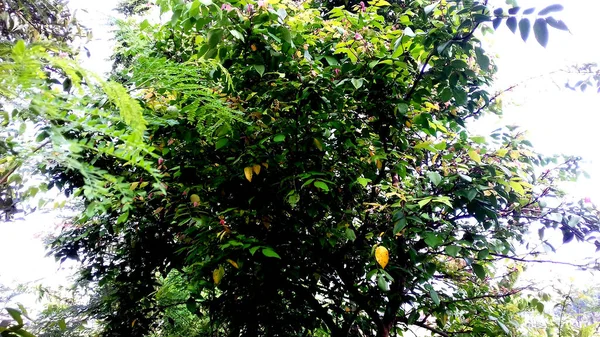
(233, 263)
(248, 173)
(514, 154)
(517, 187)
(194, 198)
(379, 164)
(256, 169)
(133, 186)
(253, 47)
(408, 124)
(502, 152)
(318, 144)
(218, 275)
(382, 256)
(475, 156)
(266, 165)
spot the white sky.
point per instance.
(558, 120)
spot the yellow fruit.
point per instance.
(248, 173)
(194, 198)
(382, 256)
(256, 169)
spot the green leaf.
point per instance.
(237, 35)
(409, 32)
(123, 217)
(19, 48)
(279, 138)
(331, 60)
(474, 156)
(424, 202)
(382, 283)
(478, 270)
(260, 69)
(286, 35)
(268, 252)
(551, 9)
(540, 30)
(400, 222)
(357, 82)
(482, 60)
(524, 28)
(503, 327)
(363, 181)
(511, 23)
(16, 315)
(433, 240)
(321, 185)
(221, 143)
(254, 249)
(62, 325)
(350, 235)
(24, 333)
(434, 296)
(428, 9)
(214, 37)
(558, 24)
(206, 2)
(452, 250)
(434, 177)
(517, 187)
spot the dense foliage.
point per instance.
(318, 177)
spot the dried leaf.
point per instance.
(256, 169)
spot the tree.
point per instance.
(318, 177)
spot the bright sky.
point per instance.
(558, 120)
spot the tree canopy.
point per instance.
(306, 172)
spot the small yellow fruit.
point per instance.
(256, 169)
(248, 173)
(382, 256)
(194, 198)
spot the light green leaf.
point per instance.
(517, 187)
(321, 185)
(434, 177)
(16, 315)
(268, 252)
(363, 181)
(279, 138)
(357, 82)
(474, 156)
(237, 35)
(424, 202)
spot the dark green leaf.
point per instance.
(552, 22)
(528, 11)
(524, 28)
(452, 250)
(511, 23)
(551, 9)
(350, 235)
(221, 143)
(434, 296)
(478, 270)
(382, 283)
(400, 222)
(540, 30)
(214, 37)
(496, 23)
